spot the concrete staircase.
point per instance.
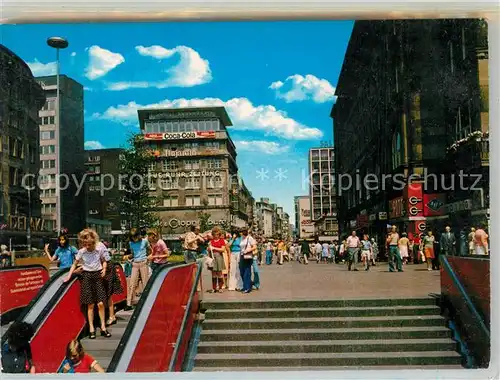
(325, 335)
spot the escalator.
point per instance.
(152, 338)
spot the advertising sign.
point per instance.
(306, 225)
(434, 204)
(19, 285)
(179, 135)
(396, 208)
(414, 196)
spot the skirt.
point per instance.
(93, 290)
(403, 251)
(112, 281)
(218, 263)
(429, 252)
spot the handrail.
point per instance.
(462, 290)
(173, 359)
(137, 312)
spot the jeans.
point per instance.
(256, 276)
(394, 253)
(190, 256)
(269, 257)
(246, 273)
(353, 256)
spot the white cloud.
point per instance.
(40, 69)
(192, 70)
(101, 62)
(266, 147)
(298, 88)
(92, 145)
(73, 54)
(244, 115)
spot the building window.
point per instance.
(193, 200)
(47, 135)
(170, 165)
(215, 182)
(192, 164)
(48, 164)
(47, 120)
(169, 183)
(215, 200)
(193, 183)
(396, 151)
(214, 164)
(48, 208)
(170, 202)
(152, 167)
(48, 149)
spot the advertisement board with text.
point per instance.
(180, 135)
(306, 228)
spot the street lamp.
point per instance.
(58, 43)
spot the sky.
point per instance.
(276, 79)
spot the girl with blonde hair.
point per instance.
(77, 361)
(93, 290)
(217, 247)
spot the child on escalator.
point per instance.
(77, 361)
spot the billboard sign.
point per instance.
(179, 135)
(306, 225)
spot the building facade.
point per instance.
(196, 171)
(103, 193)
(62, 153)
(265, 217)
(304, 226)
(322, 192)
(20, 206)
(408, 90)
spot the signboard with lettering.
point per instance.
(182, 115)
(382, 216)
(20, 223)
(372, 217)
(414, 195)
(19, 285)
(434, 204)
(306, 224)
(396, 208)
(459, 206)
(184, 174)
(179, 135)
(176, 223)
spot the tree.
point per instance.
(137, 202)
(204, 218)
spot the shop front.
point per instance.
(14, 232)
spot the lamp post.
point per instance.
(58, 43)
(28, 230)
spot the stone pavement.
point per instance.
(295, 281)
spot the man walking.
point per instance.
(353, 244)
(392, 242)
(191, 242)
(447, 242)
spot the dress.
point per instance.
(403, 247)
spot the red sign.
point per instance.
(19, 285)
(434, 204)
(414, 197)
(362, 221)
(179, 135)
(396, 208)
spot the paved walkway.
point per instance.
(295, 281)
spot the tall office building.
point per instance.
(62, 153)
(323, 193)
(103, 204)
(20, 99)
(196, 169)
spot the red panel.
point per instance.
(63, 324)
(154, 350)
(474, 274)
(396, 208)
(123, 281)
(19, 285)
(414, 200)
(434, 204)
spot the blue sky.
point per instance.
(276, 79)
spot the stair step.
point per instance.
(324, 312)
(327, 359)
(297, 346)
(326, 368)
(326, 334)
(285, 323)
(219, 305)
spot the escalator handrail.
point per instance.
(50, 304)
(173, 359)
(464, 294)
(163, 269)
